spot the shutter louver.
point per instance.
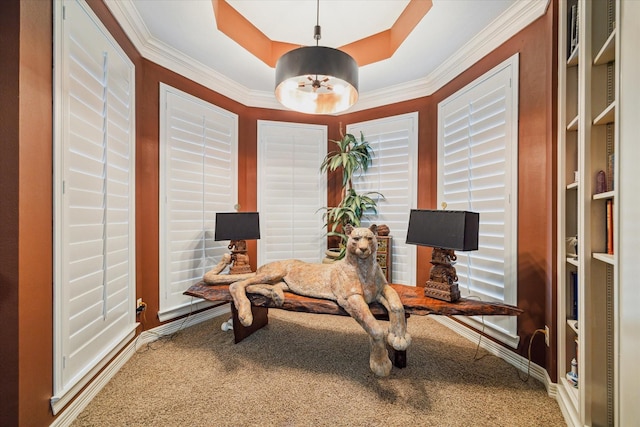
(477, 143)
(393, 173)
(291, 191)
(198, 173)
(95, 218)
(473, 179)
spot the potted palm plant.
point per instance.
(352, 156)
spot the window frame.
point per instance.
(67, 385)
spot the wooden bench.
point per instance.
(412, 298)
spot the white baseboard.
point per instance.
(568, 408)
(521, 363)
(71, 412)
(553, 390)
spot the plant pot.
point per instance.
(331, 255)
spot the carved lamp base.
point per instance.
(443, 281)
(242, 269)
(442, 291)
(239, 258)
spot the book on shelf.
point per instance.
(573, 30)
(601, 182)
(574, 295)
(610, 171)
(610, 226)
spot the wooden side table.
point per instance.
(384, 255)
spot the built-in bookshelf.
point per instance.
(587, 194)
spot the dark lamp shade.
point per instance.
(336, 94)
(237, 226)
(456, 230)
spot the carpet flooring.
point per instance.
(313, 370)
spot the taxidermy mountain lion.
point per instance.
(353, 282)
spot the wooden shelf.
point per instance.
(572, 261)
(573, 58)
(573, 124)
(608, 51)
(607, 116)
(573, 324)
(572, 186)
(606, 258)
(605, 195)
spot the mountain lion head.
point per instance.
(362, 241)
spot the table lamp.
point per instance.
(238, 227)
(446, 232)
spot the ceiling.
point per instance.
(182, 35)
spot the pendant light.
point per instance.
(317, 79)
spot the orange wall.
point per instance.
(26, 160)
(9, 216)
(26, 213)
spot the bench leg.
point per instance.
(398, 357)
(260, 319)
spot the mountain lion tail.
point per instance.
(213, 276)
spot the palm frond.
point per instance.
(354, 157)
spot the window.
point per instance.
(198, 172)
(393, 173)
(477, 171)
(291, 191)
(94, 176)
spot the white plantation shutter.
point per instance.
(198, 174)
(291, 191)
(94, 312)
(393, 173)
(477, 171)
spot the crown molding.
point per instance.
(509, 23)
(162, 54)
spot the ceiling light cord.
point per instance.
(316, 29)
(317, 36)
